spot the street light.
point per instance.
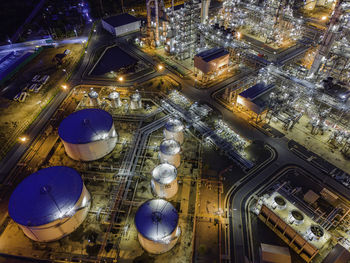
(323, 18)
(121, 78)
(23, 139)
(160, 67)
(64, 87)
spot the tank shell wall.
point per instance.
(134, 105)
(116, 103)
(92, 150)
(62, 227)
(94, 102)
(164, 190)
(177, 136)
(171, 159)
(155, 247)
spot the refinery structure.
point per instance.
(190, 131)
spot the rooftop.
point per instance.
(120, 20)
(213, 53)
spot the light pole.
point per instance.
(65, 71)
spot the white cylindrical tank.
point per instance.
(173, 129)
(50, 204)
(115, 99)
(93, 95)
(164, 182)
(169, 152)
(135, 101)
(88, 134)
(157, 224)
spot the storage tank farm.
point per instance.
(50, 203)
(115, 99)
(157, 224)
(88, 134)
(169, 152)
(164, 180)
(173, 129)
(93, 95)
(135, 101)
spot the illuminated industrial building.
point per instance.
(292, 225)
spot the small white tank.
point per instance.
(115, 99)
(93, 95)
(135, 101)
(169, 152)
(164, 182)
(173, 129)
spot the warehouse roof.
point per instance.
(156, 219)
(85, 126)
(45, 196)
(213, 53)
(120, 20)
(256, 91)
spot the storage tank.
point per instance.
(88, 134)
(115, 99)
(164, 182)
(93, 95)
(50, 204)
(157, 224)
(169, 152)
(173, 129)
(135, 101)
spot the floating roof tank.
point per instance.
(169, 152)
(93, 95)
(135, 101)
(164, 182)
(173, 129)
(88, 134)
(115, 99)
(157, 224)
(50, 203)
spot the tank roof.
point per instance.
(114, 95)
(170, 147)
(156, 219)
(85, 126)
(93, 94)
(174, 125)
(45, 196)
(164, 173)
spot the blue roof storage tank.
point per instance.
(88, 134)
(50, 203)
(157, 224)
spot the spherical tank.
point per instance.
(164, 182)
(169, 152)
(88, 134)
(50, 204)
(173, 129)
(157, 224)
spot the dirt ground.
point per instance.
(16, 116)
